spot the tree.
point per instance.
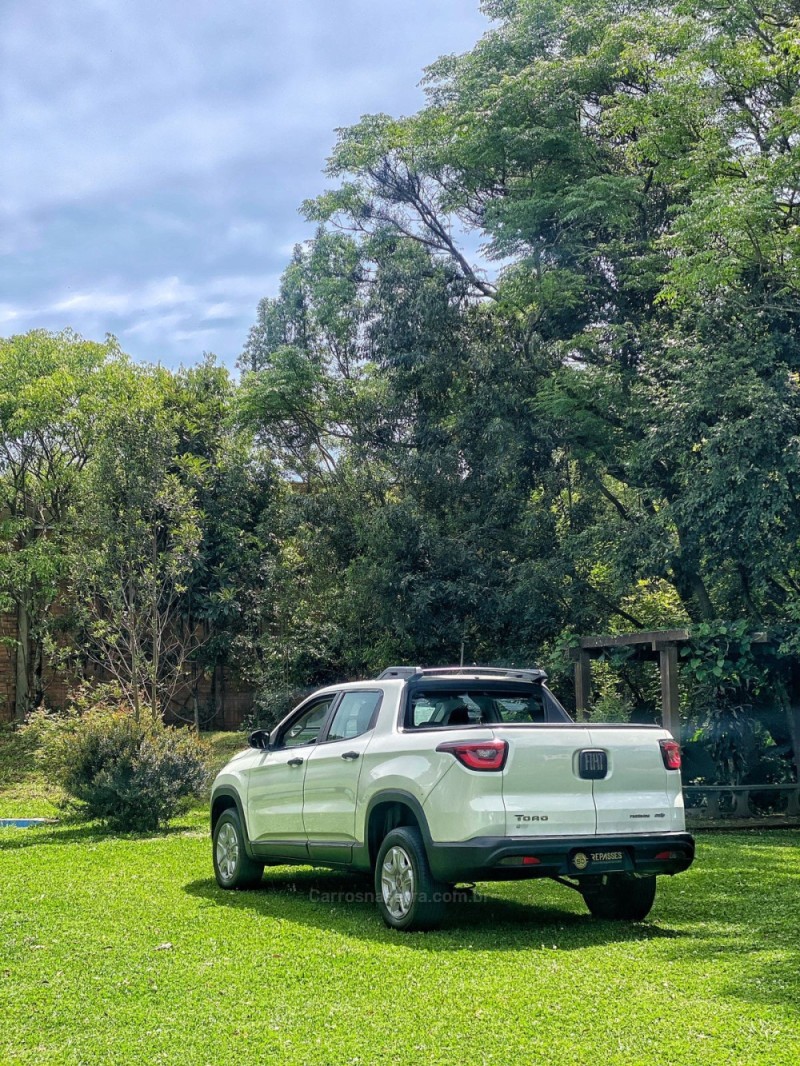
(141, 533)
(228, 590)
(51, 389)
(634, 169)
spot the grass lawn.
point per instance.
(122, 950)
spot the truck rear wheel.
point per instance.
(408, 896)
(621, 897)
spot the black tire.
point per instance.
(420, 905)
(621, 897)
(233, 867)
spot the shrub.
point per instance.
(129, 774)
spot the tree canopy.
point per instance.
(536, 374)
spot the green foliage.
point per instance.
(28, 790)
(603, 436)
(130, 774)
(597, 434)
(725, 680)
(141, 533)
(610, 701)
(51, 389)
(721, 661)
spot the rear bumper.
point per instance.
(501, 858)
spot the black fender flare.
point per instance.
(229, 792)
(397, 795)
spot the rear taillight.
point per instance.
(671, 754)
(665, 856)
(478, 755)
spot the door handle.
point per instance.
(295, 762)
(350, 755)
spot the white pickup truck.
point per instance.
(429, 778)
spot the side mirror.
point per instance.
(259, 738)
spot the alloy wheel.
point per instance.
(227, 851)
(397, 882)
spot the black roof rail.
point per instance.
(471, 670)
(399, 671)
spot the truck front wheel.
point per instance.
(232, 865)
(621, 897)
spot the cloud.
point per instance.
(162, 311)
(154, 113)
(154, 155)
(221, 310)
(8, 314)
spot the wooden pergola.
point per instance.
(657, 644)
(703, 801)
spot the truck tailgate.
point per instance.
(542, 792)
(638, 793)
(546, 794)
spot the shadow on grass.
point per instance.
(777, 982)
(748, 937)
(345, 904)
(73, 830)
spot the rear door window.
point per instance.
(354, 715)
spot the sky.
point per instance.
(155, 152)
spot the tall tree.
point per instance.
(237, 495)
(141, 533)
(633, 170)
(52, 387)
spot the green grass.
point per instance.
(121, 949)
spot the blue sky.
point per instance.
(155, 152)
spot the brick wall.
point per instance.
(8, 632)
(234, 702)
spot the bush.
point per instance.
(129, 774)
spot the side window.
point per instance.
(353, 715)
(305, 729)
(447, 710)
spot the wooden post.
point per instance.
(670, 707)
(793, 713)
(583, 685)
